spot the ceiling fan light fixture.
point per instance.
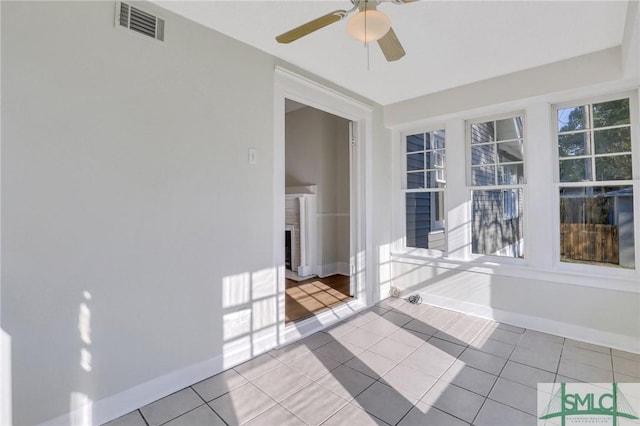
(368, 25)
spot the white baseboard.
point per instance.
(572, 331)
(117, 405)
(340, 268)
(343, 268)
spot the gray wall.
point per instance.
(137, 246)
(124, 175)
(317, 153)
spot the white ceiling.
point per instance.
(448, 43)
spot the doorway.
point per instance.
(317, 211)
(289, 85)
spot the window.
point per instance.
(424, 190)
(510, 207)
(596, 187)
(497, 174)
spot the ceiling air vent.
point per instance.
(140, 21)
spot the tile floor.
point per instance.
(395, 364)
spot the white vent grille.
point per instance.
(140, 21)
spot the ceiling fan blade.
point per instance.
(311, 26)
(391, 47)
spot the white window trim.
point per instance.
(538, 265)
(495, 259)
(404, 190)
(599, 270)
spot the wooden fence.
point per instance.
(589, 242)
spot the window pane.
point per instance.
(438, 211)
(415, 142)
(415, 180)
(482, 132)
(510, 174)
(483, 175)
(617, 167)
(575, 170)
(509, 152)
(493, 231)
(611, 113)
(596, 226)
(612, 140)
(423, 231)
(435, 159)
(573, 144)
(483, 154)
(437, 139)
(510, 128)
(573, 118)
(415, 161)
(435, 179)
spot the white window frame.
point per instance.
(507, 260)
(511, 206)
(634, 113)
(440, 172)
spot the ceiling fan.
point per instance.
(367, 25)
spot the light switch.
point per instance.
(253, 156)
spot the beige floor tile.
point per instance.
(384, 402)
(464, 376)
(242, 404)
(541, 358)
(314, 404)
(521, 397)
(371, 364)
(340, 351)
(586, 356)
(483, 361)
(134, 418)
(314, 365)
(258, 366)
(526, 375)
(281, 383)
(496, 414)
(219, 384)
(201, 416)
(454, 400)
(422, 414)
(584, 373)
(170, 407)
(346, 382)
(353, 415)
(392, 349)
(409, 383)
(276, 415)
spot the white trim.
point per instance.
(580, 278)
(303, 90)
(401, 224)
(339, 268)
(112, 407)
(584, 334)
(597, 270)
(320, 321)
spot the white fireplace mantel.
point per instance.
(306, 196)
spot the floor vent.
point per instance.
(140, 21)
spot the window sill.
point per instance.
(623, 280)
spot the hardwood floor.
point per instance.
(305, 298)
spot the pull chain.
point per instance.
(366, 44)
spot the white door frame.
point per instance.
(288, 85)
